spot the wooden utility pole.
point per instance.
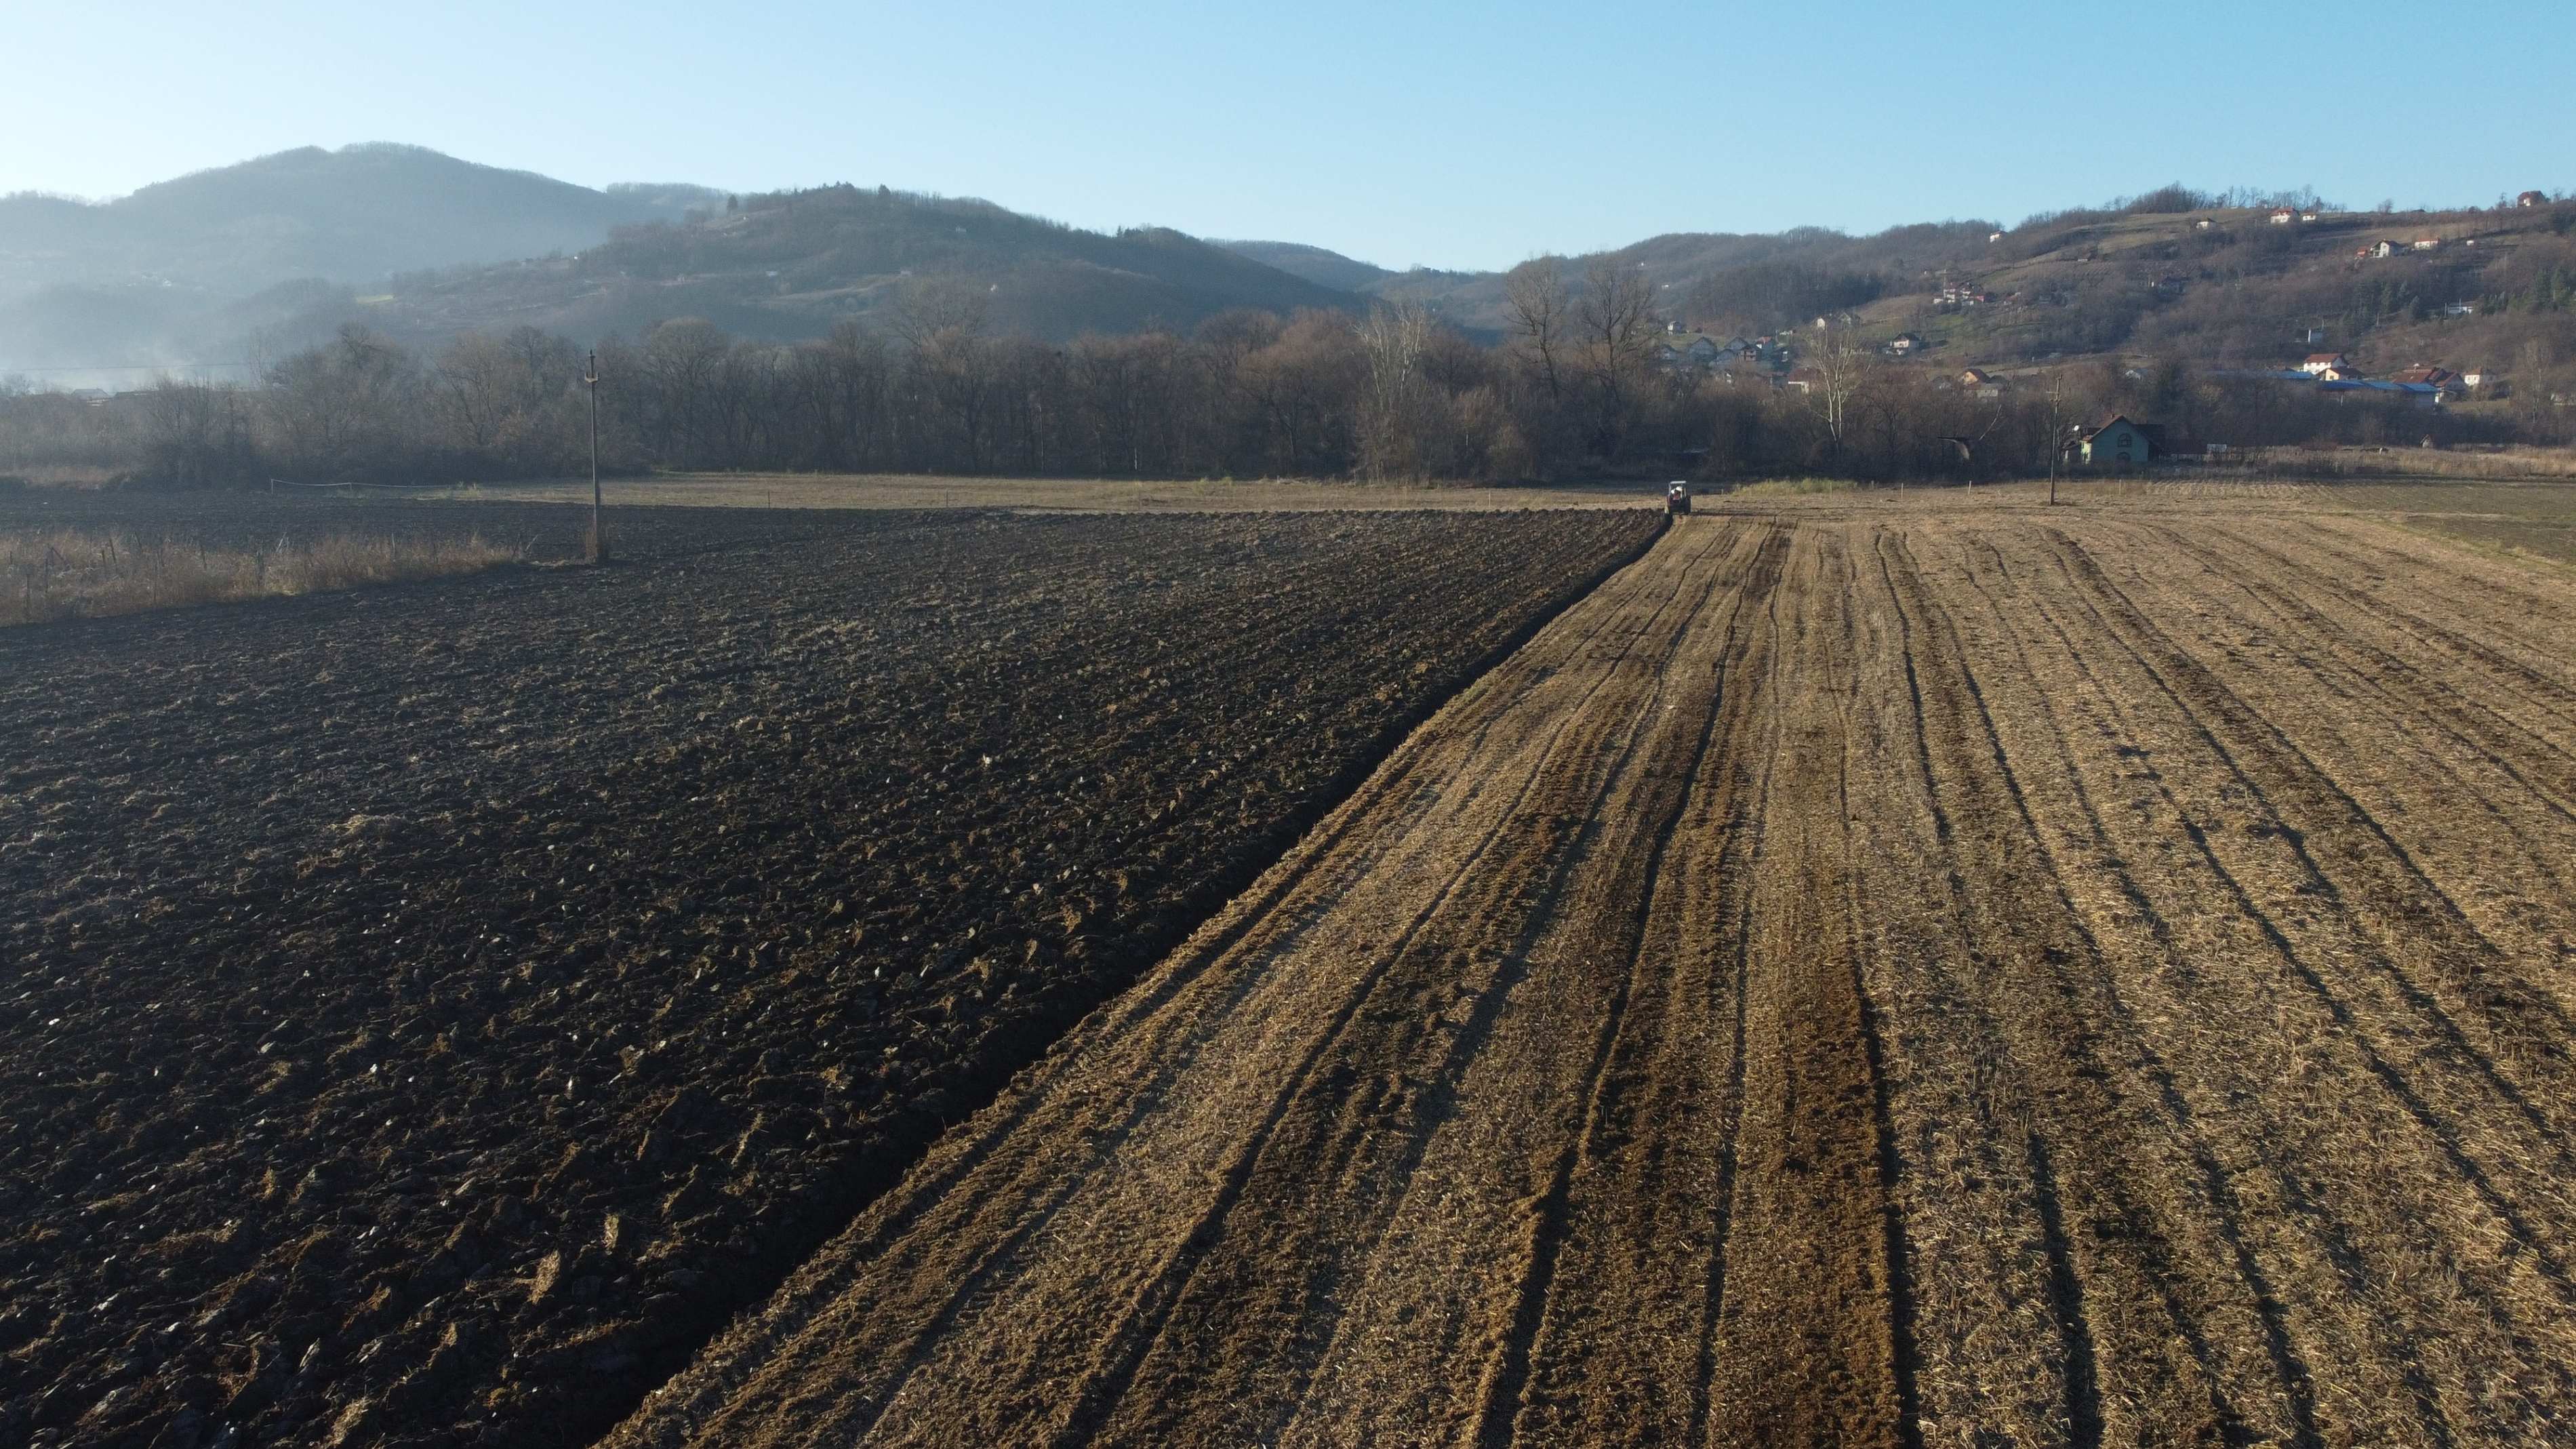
(598, 530)
(2056, 432)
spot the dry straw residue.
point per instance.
(49, 574)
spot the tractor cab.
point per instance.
(1677, 498)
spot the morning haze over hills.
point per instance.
(219, 271)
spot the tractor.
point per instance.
(1677, 499)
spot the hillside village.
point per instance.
(1981, 331)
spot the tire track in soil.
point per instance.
(2292, 768)
(2334, 1236)
(1808, 1347)
(2073, 1079)
(2494, 740)
(2553, 695)
(1505, 1416)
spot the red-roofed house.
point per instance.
(2440, 377)
(2321, 361)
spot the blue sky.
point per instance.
(1447, 135)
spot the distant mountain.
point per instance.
(1321, 267)
(353, 215)
(139, 279)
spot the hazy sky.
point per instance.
(1449, 135)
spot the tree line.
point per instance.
(1578, 386)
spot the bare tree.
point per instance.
(1534, 298)
(1615, 318)
(1840, 367)
(1392, 413)
(193, 432)
(344, 406)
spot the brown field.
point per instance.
(1873, 973)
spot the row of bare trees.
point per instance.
(1575, 388)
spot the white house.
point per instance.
(2318, 363)
(2283, 216)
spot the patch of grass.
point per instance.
(48, 574)
(1793, 487)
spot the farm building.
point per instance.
(2319, 362)
(2440, 377)
(2117, 443)
(2411, 394)
(2532, 198)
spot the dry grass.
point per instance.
(1793, 488)
(2405, 462)
(48, 574)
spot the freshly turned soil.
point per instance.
(428, 1013)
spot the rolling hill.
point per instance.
(792, 264)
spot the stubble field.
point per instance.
(1867, 975)
(428, 1012)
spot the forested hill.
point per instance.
(352, 215)
(792, 264)
(1322, 267)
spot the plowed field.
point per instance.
(427, 1013)
(1862, 977)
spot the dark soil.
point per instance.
(427, 1013)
